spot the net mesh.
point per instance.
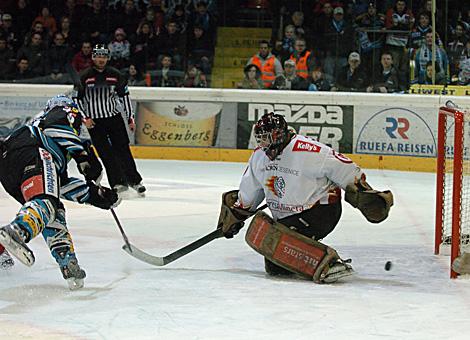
(452, 161)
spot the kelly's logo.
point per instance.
(305, 146)
(397, 125)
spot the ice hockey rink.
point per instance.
(220, 291)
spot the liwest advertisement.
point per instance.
(329, 124)
(177, 124)
(396, 131)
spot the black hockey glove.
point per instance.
(231, 219)
(102, 197)
(89, 165)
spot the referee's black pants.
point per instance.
(109, 137)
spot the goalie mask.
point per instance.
(271, 134)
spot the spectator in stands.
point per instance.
(134, 76)
(439, 78)
(300, 30)
(144, 44)
(7, 59)
(10, 34)
(464, 66)
(268, 64)
(23, 16)
(156, 19)
(454, 50)
(167, 76)
(82, 60)
(194, 77)
(67, 32)
(252, 79)
(127, 17)
(22, 71)
(47, 20)
(35, 54)
(351, 78)
(180, 16)
(119, 50)
(370, 43)
(202, 17)
(59, 54)
(424, 55)
(319, 24)
(418, 33)
(303, 58)
(200, 50)
(317, 81)
(289, 80)
(173, 43)
(339, 37)
(96, 23)
(39, 28)
(286, 46)
(398, 18)
(386, 79)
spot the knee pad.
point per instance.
(35, 215)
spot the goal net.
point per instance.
(453, 184)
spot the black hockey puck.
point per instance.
(388, 265)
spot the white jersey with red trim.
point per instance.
(306, 173)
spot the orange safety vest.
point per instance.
(301, 66)
(268, 73)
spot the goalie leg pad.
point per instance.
(289, 249)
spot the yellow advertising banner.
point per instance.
(177, 124)
(450, 90)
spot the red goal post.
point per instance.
(452, 182)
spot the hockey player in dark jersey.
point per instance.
(33, 170)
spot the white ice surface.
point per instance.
(221, 291)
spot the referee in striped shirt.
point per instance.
(102, 96)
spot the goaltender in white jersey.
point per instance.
(301, 180)
(306, 173)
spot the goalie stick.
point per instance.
(162, 261)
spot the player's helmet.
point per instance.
(73, 114)
(271, 133)
(100, 50)
(60, 100)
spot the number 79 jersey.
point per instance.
(306, 173)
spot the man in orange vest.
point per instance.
(304, 62)
(269, 65)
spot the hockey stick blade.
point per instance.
(161, 261)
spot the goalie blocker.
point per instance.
(295, 252)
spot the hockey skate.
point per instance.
(337, 270)
(139, 187)
(6, 261)
(12, 237)
(119, 188)
(71, 271)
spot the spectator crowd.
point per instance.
(317, 45)
(354, 45)
(155, 42)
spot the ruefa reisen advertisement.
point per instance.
(330, 124)
(177, 123)
(396, 131)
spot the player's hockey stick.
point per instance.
(161, 261)
(121, 229)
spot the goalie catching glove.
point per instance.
(231, 218)
(373, 204)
